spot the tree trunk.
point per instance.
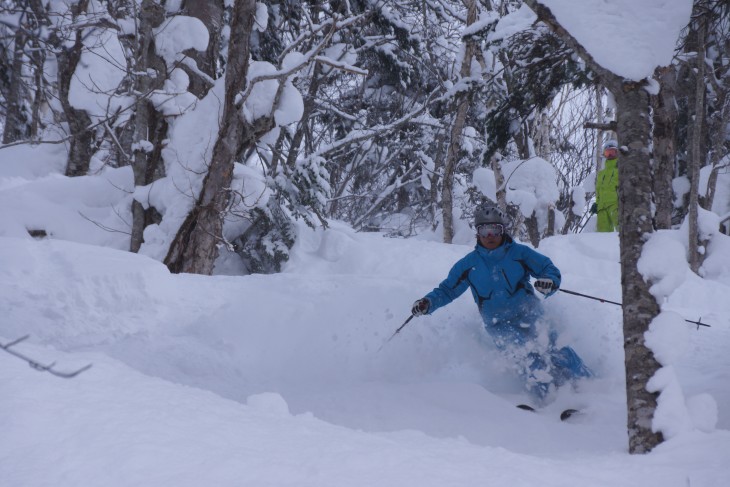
(38, 58)
(67, 57)
(438, 164)
(665, 151)
(452, 154)
(573, 220)
(542, 136)
(522, 141)
(454, 148)
(550, 230)
(719, 120)
(599, 135)
(149, 126)
(532, 230)
(501, 193)
(722, 120)
(16, 121)
(210, 12)
(194, 248)
(635, 212)
(147, 167)
(310, 104)
(639, 306)
(697, 159)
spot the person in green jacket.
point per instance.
(606, 205)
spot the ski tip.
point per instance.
(568, 413)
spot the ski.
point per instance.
(568, 413)
(564, 416)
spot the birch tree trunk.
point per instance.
(639, 306)
(499, 183)
(635, 218)
(454, 148)
(697, 159)
(195, 246)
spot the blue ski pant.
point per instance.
(540, 363)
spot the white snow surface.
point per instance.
(628, 37)
(281, 379)
(290, 379)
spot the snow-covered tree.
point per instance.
(195, 247)
(14, 86)
(635, 216)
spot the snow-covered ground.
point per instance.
(288, 380)
(281, 379)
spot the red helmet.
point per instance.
(610, 149)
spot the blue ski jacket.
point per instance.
(499, 280)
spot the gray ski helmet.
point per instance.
(489, 214)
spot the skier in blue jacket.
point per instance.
(498, 273)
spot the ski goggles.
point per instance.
(490, 229)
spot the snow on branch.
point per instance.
(364, 134)
(285, 73)
(341, 66)
(441, 8)
(315, 29)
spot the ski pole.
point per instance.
(698, 323)
(589, 297)
(39, 366)
(582, 224)
(397, 331)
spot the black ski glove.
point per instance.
(420, 307)
(545, 286)
(594, 208)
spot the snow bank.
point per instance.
(87, 209)
(663, 264)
